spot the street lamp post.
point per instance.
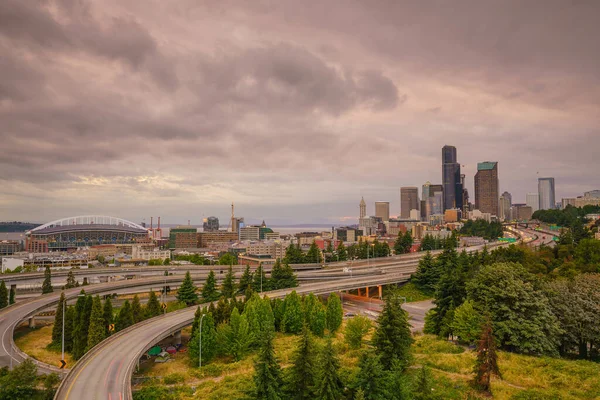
(63, 331)
(200, 342)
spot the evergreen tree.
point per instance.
(125, 317)
(69, 323)
(209, 340)
(356, 329)
(486, 363)
(71, 283)
(187, 291)
(197, 315)
(267, 372)
(392, 337)
(342, 253)
(294, 255)
(423, 384)
(428, 274)
(278, 310)
(260, 282)
(245, 280)
(293, 316)
(153, 308)
(335, 312)
(47, 284)
(222, 312)
(228, 288)
(81, 325)
(107, 314)
(235, 337)
(314, 254)
(58, 321)
(371, 377)
(136, 310)
(260, 317)
(300, 378)
(282, 276)
(450, 290)
(209, 290)
(3, 295)
(398, 244)
(97, 330)
(11, 295)
(329, 384)
(315, 314)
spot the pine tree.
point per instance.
(329, 384)
(136, 310)
(69, 322)
(197, 315)
(245, 280)
(260, 317)
(314, 254)
(260, 283)
(371, 377)
(228, 288)
(392, 337)
(209, 290)
(267, 372)
(282, 276)
(335, 312)
(236, 337)
(300, 380)
(342, 253)
(293, 316)
(209, 341)
(125, 317)
(11, 295)
(153, 308)
(47, 284)
(97, 330)
(107, 314)
(81, 325)
(58, 321)
(423, 384)
(222, 312)
(3, 295)
(486, 363)
(187, 291)
(428, 274)
(71, 283)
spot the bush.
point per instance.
(173, 378)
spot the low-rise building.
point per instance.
(347, 234)
(274, 248)
(205, 239)
(183, 237)
(9, 247)
(468, 241)
(477, 214)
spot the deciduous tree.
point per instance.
(335, 312)
(3, 295)
(293, 316)
(356, 329)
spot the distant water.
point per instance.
(12, 236)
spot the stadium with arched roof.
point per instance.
(82, 231)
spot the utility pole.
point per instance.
(63, 331)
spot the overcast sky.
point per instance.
(291, 109)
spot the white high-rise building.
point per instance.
(533, 201)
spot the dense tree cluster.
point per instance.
(403, 243)
(90, 321)
(482, 228)
(23, 382)
(565, 217)
(539, 301)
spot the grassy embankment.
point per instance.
(523, 377)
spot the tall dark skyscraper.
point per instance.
(453, 188)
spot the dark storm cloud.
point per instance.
(288, 104)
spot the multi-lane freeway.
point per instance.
(120, 352)
(118, 356)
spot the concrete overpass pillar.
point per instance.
(32, 322)
(177, 337)
(358, 290)
(367, 291)
(380, 291)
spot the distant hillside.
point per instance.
(16, 226)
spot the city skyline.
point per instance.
(293, 120)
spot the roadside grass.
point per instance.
(523, 377)
(34, 342)
(412, 293)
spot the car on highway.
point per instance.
(349, 314)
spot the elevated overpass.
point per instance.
(117, 356)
